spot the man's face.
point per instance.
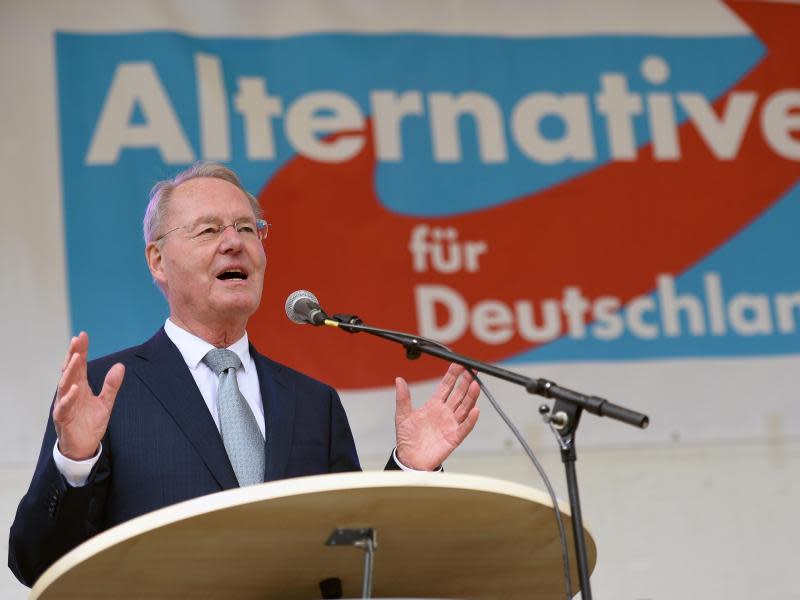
(210, 281)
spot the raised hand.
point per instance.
(426, 436)
(80, 417)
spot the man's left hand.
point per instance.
(426, 436)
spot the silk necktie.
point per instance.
(240, 433)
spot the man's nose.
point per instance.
(230, 239)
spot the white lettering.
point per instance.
(549, 330)
(661, 111)
(634, 316)
(672, 304)
(340, 113)
(619, 107)
(577, 142)
(785, 305)
(723, 136)
(427, 297)
(749, 314)
(137, 84)
(329, 126)
(446, 110)
(714, 298)
(492, 322)
(419, 248)
(608, 324)
(575, 307)
(213, 105)
(257, 108)
(388, 112)
(442, 247)
(779, 119)
(445, 257)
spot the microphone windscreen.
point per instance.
(297, 306)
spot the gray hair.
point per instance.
(162, 192)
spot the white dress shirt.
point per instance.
(193, 349)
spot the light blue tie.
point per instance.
(240, 433)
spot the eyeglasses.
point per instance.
(206, 232)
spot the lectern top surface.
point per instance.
(440, 535)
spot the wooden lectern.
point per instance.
(439, 535)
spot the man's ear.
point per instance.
(155, 262)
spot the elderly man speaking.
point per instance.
(196, 409)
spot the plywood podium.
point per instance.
(439, 535)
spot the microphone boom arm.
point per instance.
(416, 346)
(566, 414)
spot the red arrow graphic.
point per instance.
(610, 231)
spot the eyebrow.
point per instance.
(216, 219)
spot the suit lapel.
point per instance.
(164, 371)
(278, 397)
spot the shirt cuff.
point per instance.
(76, 472)
(409, 469)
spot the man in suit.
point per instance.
(151, 425)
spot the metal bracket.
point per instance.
(365, 539)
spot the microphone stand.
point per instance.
(567, 410)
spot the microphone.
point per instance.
(303, 307)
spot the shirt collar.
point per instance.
(193, 348)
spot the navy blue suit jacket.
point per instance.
(162, 446)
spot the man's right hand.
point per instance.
(80, 417)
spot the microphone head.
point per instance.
(299, 304)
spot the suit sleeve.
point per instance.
(342, 455)
(54, 517)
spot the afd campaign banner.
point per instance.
(519, 199)
(622, 200)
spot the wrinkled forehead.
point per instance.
(208, 197)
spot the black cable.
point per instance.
(561, 530)
(529, 451)
(348, 319)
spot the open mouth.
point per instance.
(232, 274)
